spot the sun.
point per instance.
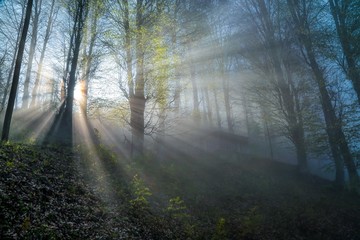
(79, 92)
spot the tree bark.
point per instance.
(137, 101)
(89, 56)
(62, 128)
(10, 75)
(15, 82)
(226, 91)
(283, 85)
(217, 109)
(209, 108)
(339, 11)
(177, 99)
(196, 103)
(69, 101)
(334, 130)
(34, 94)
(35, 25)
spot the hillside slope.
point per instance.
(44, 194)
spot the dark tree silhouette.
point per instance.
(15, 82)
(62, 128)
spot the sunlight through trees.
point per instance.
(136, 84)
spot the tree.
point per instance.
(221, 32)
(345, 14)
(267, 48)
(2, 60)
(50, 23)
(300, 13)
(61, 130)
(35, 26)
(195, 29)
(89, 57)
(15, 82)
(13, 42)
(133, 23)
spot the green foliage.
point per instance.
(179, 212)
(220, 231)
(140, 192)
(177, 208)
(162, 66)
(9, 164)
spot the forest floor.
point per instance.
(56, 193)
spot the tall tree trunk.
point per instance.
(208, 104)
(88, 54)
(129, 74)
(217, 109)
(35, 90)
(69, 101)
(204, 112)
(298, 132)
(246, 113)
(334, 130)
(196, 103)
(2, 60)
(26, 95)
(15, 82)
(339, 11)
(177, 99)
(137, 101)
(10, 75)
(226, 91)
(267, 131)
(65, 79)
(283, 84)
(62, 128)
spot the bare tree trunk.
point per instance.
(283, 85)
(62, 128)
(69, 101)
(196, 111)
(339, 11)
(217, 109)
(226, 91)
(35, 25)
(177, 100)
(88, 62)
(209, 108)
(129, 75)
(67, 64)
(10, 75)
(15, 82)
(265, 117)
(246, 112)
(204, 112)
(137, 101)
(334, 130)
(42, 55)
(177, 91)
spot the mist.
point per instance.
(206, 119)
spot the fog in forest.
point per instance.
(212, 104)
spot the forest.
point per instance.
(180, 119)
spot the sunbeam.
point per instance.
(182, 119)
